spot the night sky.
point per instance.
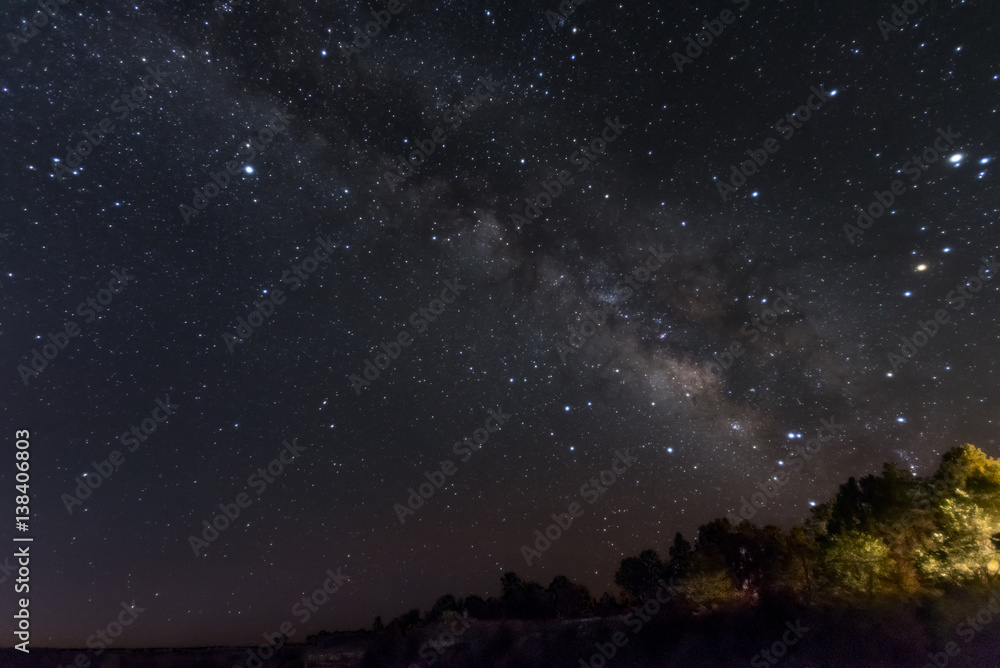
(501, 284)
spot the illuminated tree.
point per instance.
(966, 494)
(962, 550)
(709, 581)
(706, 586)
(857, 562)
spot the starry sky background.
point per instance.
(642, 382)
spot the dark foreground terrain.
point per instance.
(918, 634)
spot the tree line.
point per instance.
(888, 535)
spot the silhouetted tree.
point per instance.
(571, 600)
(607, 606)
(477, 607)
(639, 577)
(405, 622)
(802, 554)
(524, 600)
(680, 556)
(509, 583)
(444, 603)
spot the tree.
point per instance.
(969, 468)
(405, 622)
(607, 606)
(857, 562)
(537, 603)
(966, 508)
(962, 550)
(510, 583)
(639, 576)
(443, 604)
(708, 586)
(680, 556)
(802, 554)
(571, 600)
(874, 503)
(746, 554)
(524, 600)
(653, 563)
(478, 608)
(708, 582)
